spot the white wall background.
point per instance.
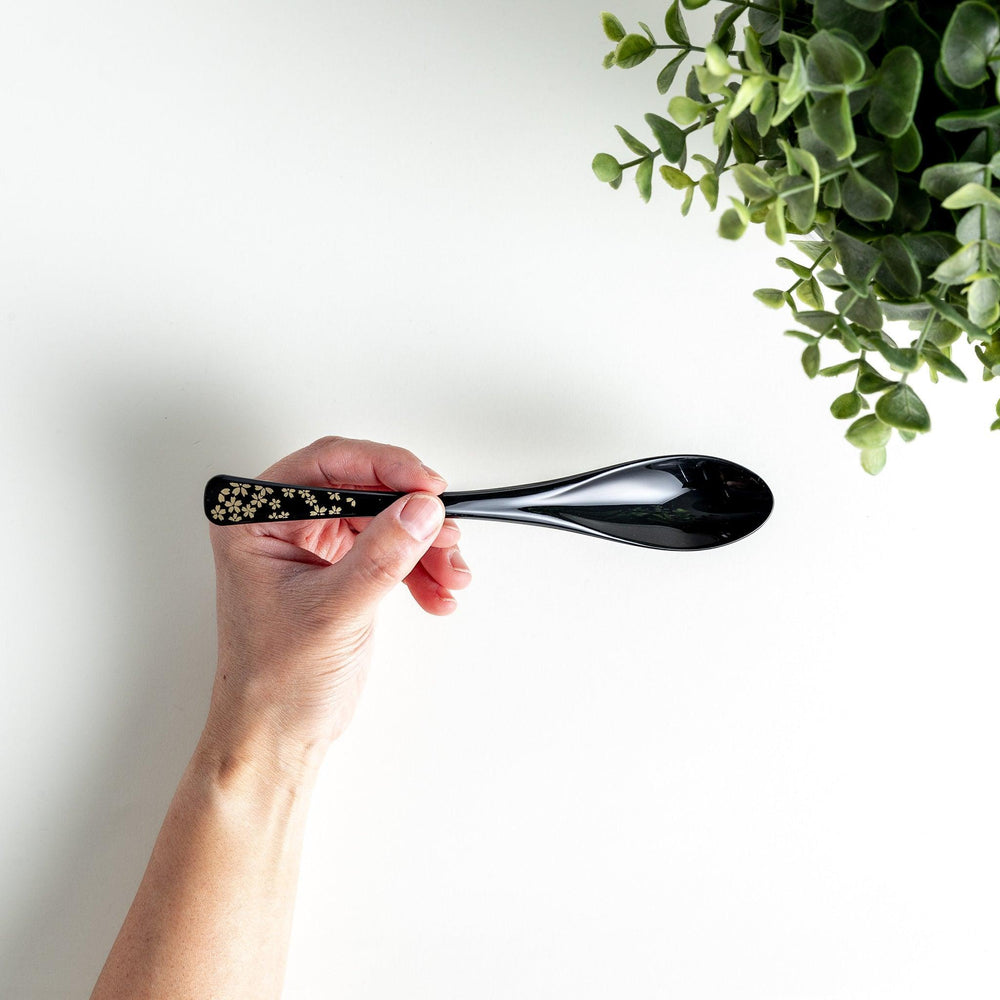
(767, 771)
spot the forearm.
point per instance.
(213, 912)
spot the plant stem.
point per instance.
(853, 165)
(812, 268)
(920, 342)
(634, 163)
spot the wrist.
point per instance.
(247, 751)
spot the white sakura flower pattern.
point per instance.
(240, 501)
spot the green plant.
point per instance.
(872, 129)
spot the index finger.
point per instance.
(346, 462)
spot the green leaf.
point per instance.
(870, 381)
(833, 59)
(799, 270)
(872, 5)
(895, 92)
(959, 267)
(845, 331)
(929, 249)
(774, 224)
(716, 61)
(977, 221)
(613, 28)
(912, 312)
(830, 118)
(632, 142)
(832, 278)
(754, 182)
(817, 319)
(798, 195)
(762, 108)
(746, 95)
(724, 33)
(810, 293)
(831, 193)
(983, 296)
(709, 187)
(667, 74)
(671, 139)
(962, 121)
(794, 84)
(841, 369)
(873, 460)
(955, 316)
(899, 273)
(971, 194)
(907, 150)
(685, 110)
(945, 179)
(677, 179)
(732, 225)
(969, 42)
(774, 298)
(903, 359)
(807, 338)
(693, 4)
(767, 18)
(847, 406)
(632, 50)
(864, 200)
(674, 24)
(990, 357)
(869, 432)
(815, 249)
(901, 407)
(861, 309)
(865, 26)
(804, 159)
(940, 362)
(810, 360)
(858, 260)
(606, 167)
(752, 52)
(644, 179)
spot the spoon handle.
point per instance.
(236, 500)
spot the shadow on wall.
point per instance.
(155, 443)
(146, 442)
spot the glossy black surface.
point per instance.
(670, 502)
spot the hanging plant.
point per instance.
(871, 129)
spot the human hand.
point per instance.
(296, 600)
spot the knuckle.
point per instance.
(380, 569)
(326, 441)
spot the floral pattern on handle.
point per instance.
(241, 502)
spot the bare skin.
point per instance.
(296, 605)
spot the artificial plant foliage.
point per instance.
(869, 130)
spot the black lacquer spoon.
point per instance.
(671, 502)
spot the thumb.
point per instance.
(388, 549)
